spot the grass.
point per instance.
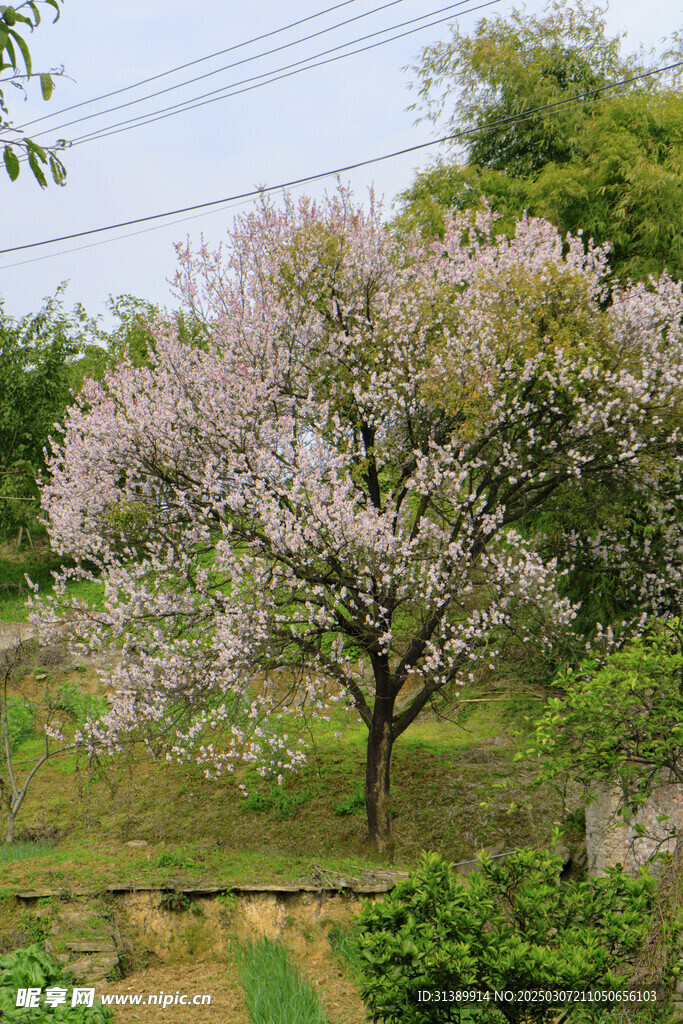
(23, 851)
(201, 832)
(39, 564)
(445, 794)
(274, 989)
(342, 940)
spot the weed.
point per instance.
(32, 927)
(228, 900)
(344, 945)
(169, 859)
(273, 988)
(175, 901)
(279, 802)
(24, 968)
(353, 803)
(575, 824)
(10, 852)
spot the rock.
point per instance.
(93, 968)
(564, 852)
(92, 946)
(137, 843)
(78, 917)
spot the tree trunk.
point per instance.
(10, 823)
(378, 777)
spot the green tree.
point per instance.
(510, 66)
(618, 719)
(44, 359)
(610, 165)
(16, 68)
(625, 184)
(134, 336)
(40, 367)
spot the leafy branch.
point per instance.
(16, 67)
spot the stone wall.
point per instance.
(609, 841)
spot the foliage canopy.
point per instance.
(607, 164)
(340, 489)
(619, 719)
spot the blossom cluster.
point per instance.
(353, 469)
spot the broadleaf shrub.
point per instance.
(514, 926)
(33, 968)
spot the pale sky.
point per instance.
(344, 112)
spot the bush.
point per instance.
(513, 926)
(77, 705)
(21, 723)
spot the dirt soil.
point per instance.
(219, 980)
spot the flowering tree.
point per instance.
(349, 473)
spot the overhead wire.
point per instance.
(208, 74)
(288, 71)
(192, 63)
(264, 190)
(134, 234)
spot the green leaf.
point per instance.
(46, 85)
(11, 163)
(33, 147)
(36, 168)
(21, 43)
(57, 169)
(9, 46)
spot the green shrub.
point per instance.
(575, 824)
(21, 723)
(175, 901)
(513, 926)
(33, 968)
(72, 701)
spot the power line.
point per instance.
(299, 66)
(209, 74)
(129, 234)
(192, 63)
(454, 137)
